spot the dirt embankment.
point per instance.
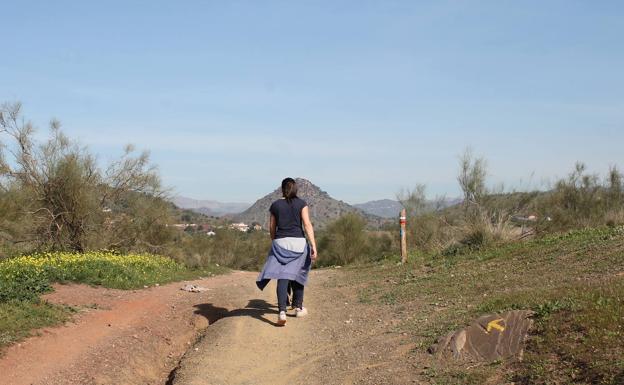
(118, 337)
(150, 337)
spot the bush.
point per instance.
(583, 200)
(346, 241)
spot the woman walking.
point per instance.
(291, 256)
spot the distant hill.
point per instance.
(385, 208)
(209, 207)
(323, 208)
(388, 208)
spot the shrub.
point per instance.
(346, 240)
(583, 200)
(471, 178)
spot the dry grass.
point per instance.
(574, 281)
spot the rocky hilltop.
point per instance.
(323, 208)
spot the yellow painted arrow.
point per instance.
(495, 325)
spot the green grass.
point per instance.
(19, 318)
(24, 279)
(573, 281)
(582, 343)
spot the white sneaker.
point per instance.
(301, 312)
(281, 319)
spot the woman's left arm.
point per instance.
(309, 229)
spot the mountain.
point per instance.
(323, 208)
(388, 208)
(385, 208)
(209, 207)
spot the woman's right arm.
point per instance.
(309, 229)
(272, 226)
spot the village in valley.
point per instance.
(211, 230)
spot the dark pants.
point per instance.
(282, 293)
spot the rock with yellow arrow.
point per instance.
(488, 338)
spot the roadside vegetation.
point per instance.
(25, 277)
(574, 281)
(487, 216)
(484, 217)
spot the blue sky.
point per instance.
(361, 97)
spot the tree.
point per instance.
(68, 202)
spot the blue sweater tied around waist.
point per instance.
(282, 263)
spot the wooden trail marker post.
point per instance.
(402, 223)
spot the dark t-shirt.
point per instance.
(288, 217)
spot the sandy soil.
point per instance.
(161, 335)
(340, 342)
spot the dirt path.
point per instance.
(340, 342)
(149, 337)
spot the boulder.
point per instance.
(488, 338)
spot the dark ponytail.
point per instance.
(289, 189)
